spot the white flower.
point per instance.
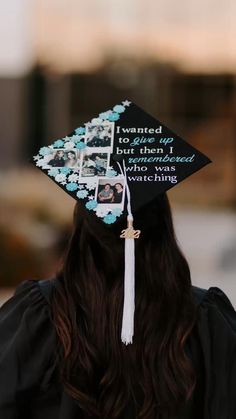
(98, 215)
(82, 194)
(66, 138)
(117, 211)
(91, 185)
(41, 163)
(91, 197)
(126, 103)
(97, 121)
(64, 182)
(101, 212)
(69, 144)
(73, 177)
(60, 178)
(37, 157)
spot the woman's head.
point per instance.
(88, 315)
(59, 154)
(71, 155)
(118, 187)
(107, 186)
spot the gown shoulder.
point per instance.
(27, 346)
(215, 307)
(215, 336)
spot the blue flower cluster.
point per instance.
(58, 144)
(82, 194)
(44, 151)
(65, 170)
(119, 108)
(91, 205)
(72, 186)
(113, 117)
(104, 115)
(81, 145)
(109, 219)
(111, 173)
(53, 172)
(80, 130)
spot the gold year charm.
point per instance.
(129, 232)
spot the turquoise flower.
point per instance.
(81, 145)
(82, 194)
(65, 170)
(111, 173)
(72, 186)
(45, 151)
(114, 116)
(119, 108)
(58, 143)
(105, 115)
(109, 219)
(80, 130)
(53, 172)
(91, 205)
(117, 212)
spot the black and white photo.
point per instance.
(100, 135)
(94, 164)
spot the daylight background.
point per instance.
(64, 61)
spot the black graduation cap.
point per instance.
(124, 156)
(123, 144)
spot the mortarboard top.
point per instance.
(84, 163)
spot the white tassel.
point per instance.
(127, 330)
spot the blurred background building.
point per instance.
(63, 61)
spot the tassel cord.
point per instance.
(127, 330)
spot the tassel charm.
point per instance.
(129, 232)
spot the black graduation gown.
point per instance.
(29, 385)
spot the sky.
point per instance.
(71, 35)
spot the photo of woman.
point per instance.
(58, 159)
(106, 195)
(72, 160)
(118, 193)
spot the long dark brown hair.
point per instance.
(153, 375)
